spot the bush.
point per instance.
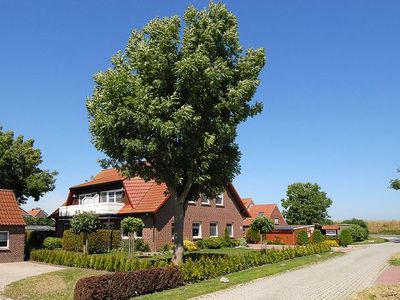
(125, 285)
(318, 237)
(36, 238)
(213, 243)
(52, 243)
(252, 237)
(345, 238)
(358, 233)
(101, 241)
(189, 246)
(140, 245)
(331, 243)
(302, 238)
(242, 242)
(359, 222)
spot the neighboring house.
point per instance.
(24, 213)
(37, 213)
(287, 234)
(266, 210)
(12, 228)
(334, 230)
(113, 197)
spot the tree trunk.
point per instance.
(133, 244)
(261, 238)
(85, 243)
(180, 206)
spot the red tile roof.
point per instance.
(247, 202)
(256, 209)
(35, 212)
(10, 213)
(24, 213)
(331, 227)
(105, 176)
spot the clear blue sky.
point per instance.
(331, 91)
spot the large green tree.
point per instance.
(169, 107)
(395, 183)
(19, 168)
(306, 204)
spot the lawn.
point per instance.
(60, 284)
(395, 260)
(372, 240)
(55, 285)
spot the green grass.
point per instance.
(212, 285)
(54, 285)
(395, 260)
(372, 240)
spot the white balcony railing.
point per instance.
(98, 208)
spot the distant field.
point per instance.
(384, 227)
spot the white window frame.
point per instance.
(8, 241)
(83, 196)
(115, 196)
(222, 200)
(199, 236)
(216, 229)
(231, 225)
(276, 221)
(125, 237)
(192, 202)
(202, 197)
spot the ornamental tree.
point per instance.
(19, 168)
(305, 204)
(168, 108)
(85, 222)
(130, 226)
(262, 225)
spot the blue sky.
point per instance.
(331, 91)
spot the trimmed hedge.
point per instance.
(195, 268)
(52, 243)
(100, 241)
(125, 285)
(213, 266)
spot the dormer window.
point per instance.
(219, 200)
(115, 196)
(276, 221)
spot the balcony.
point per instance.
(97, 208)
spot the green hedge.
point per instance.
(194, 269)
(210, 267)
(101, 241)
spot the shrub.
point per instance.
(200, 244)
(242, 242)
(85, 223)
(125, 285)
(302, 238)
(166, 248)
(36, 238)
(52, 243)
(214, 243)
(189, 246)
(252, 237)
(318, 236)
(101, 241)
(358, 233)
(359, 222)
(140, 245)
(345, 238)
(331, 243)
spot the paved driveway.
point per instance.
(338, 278)
(10, 272)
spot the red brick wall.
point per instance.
(277, 214)
(228, 213)
(287, 237)
(16, 244)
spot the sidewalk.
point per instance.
(389, 276)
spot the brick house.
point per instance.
(37, 213)
(114, 198)
(12, 228)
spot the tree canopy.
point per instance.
(168, 108)
(19, 168)
(395, 183)
(305, 204)
(262, 225)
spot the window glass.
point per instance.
(229, 228)
(276, 221)
(111, 196)
(139, 233)
(219, 200)
(119, 197)
(103, 197)
(213, 229)
(205, 199)
(196, 230)
(3, 239)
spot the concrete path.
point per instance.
(338, 278)
(10, 272)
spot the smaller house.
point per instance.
(287, 234)
(37, 213)
(12, 228)
(266, 210)
(331, 230)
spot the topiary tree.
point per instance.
(262, 225)
(85, 222)
(252, 237)
(318, 237)
(169, 108)
(345, 238)
(302, 238)
(129, 227)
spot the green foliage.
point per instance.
(169, 107)
(262, 225)
(131, 225)
(52, 243)
(305, 204)
(29, 220)
(359, 222)
(318, 237)
(189, 246)
(302, 238)
(252, 237)
(100, 241)
(19, 165)
(140, 245)
(395, 183)
(358, 233)
(85, 222)
(345, 238)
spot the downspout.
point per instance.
(154, 231)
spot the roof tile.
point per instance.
(10, 213)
